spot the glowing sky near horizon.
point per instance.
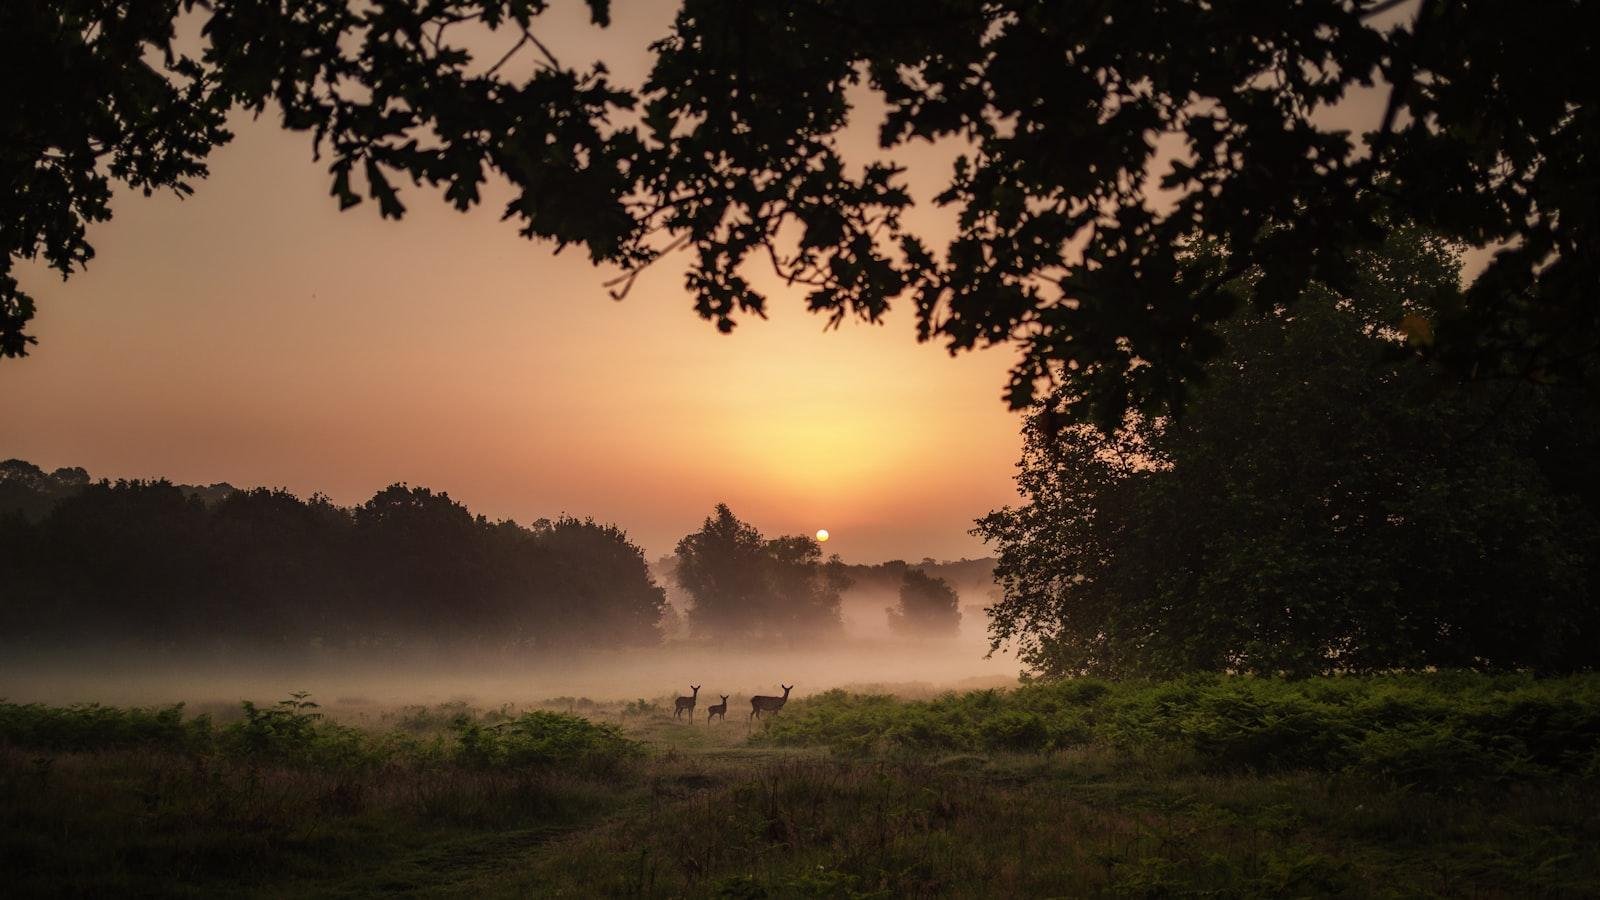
(256, 335)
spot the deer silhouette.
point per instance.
(687, 703)
(720, 709)
(760, 704)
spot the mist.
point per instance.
(867, 658)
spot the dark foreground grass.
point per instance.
(1206, 787)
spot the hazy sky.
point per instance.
(256, 335)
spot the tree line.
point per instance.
(927, 594)
(158, 564)
(155, 564)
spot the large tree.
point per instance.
(1324, 506)
(742, 584)
(1101, 141)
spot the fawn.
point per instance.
(718, 710)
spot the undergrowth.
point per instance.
(1428, 729)
(294, 732)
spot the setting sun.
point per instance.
(822, 535)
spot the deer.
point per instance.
(720, 709)
(687, 703)
(760, 704)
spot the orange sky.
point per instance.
(255, 334)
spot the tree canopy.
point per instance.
(1324, 506)
(743, 584)
(1100, 142)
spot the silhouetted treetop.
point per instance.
(743, 584)
(162, 565)
(1100, 142)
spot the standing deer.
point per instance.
(720, 709)
(760, 704)
(687, 703)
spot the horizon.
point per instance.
(650, 556)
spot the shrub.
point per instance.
(545, 740)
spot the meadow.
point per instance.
(1444, 784)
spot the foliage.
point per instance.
(545, 739)
(704, 815)
(90, 727)
(156, 564)
(1442, 730)
(928, 606)
(1323, 506)
(1103, 129)
(93, 96)
(293, 732)
(744, 584)
(641, 707)
(1096, 821)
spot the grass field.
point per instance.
(1437, 785)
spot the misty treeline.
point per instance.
(732, 581)
(157, 564)
(927, 595)
(1322, 505)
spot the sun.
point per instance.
(822, 535)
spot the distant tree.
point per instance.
(27, 491)
(743, 584)
(723, 568)
(1323, 506)
(1098, 144)
(283, 565)
(674, 621)
(70, 476)
(125, 559)
(805, 589)
(596, 589)
(421, 559)
(928, 606)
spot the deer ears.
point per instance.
(786, 687)
(694, 687)
(724, 697)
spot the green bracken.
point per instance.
(1441, 729)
